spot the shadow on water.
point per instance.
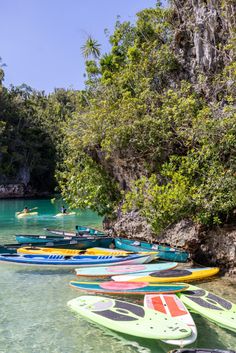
(142, 345)
(208, 336)
(45, 272)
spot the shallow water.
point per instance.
(34, 315)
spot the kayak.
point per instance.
(123, 269)
(172, 306)
(216, 309)
(79, 243)
(73, 252)
(183, 275)
(28, 214)
(63, 233)
(72, 261)
(130, 318)
(84, 241)
(88, 230)
(166, 253)
(65, 214)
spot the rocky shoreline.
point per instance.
(208, 247)
(19, 190)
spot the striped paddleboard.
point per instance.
(128, 288)
(172, 306)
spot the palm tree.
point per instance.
(1, 70)
(91, 48)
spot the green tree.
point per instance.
(91, 48)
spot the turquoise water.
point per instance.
(34, 315)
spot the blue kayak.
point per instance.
(74, 261)
(164, 252)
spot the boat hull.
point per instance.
(72, 261)
(28, 214)
(80, 242)
(164, 252)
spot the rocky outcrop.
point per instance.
(204, 27)
(12, 190)
(216, 247)
(204, 32)
(18, 191)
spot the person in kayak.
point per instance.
(63, 209)
(26, 210)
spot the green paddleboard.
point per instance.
(129, 318)
(214, 308)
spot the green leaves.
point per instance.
(91, 48)
(84, 184)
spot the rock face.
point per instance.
(18, 191)
(203, 29)
(12, 190)
(206, 247)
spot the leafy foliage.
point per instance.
(142, 133)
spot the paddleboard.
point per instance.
(118, 270)
(211, 306)
(28, 214)
(128, 318)
(169, 275)
(172, 306)
(128, 288)
(201, 350)
(64, 214)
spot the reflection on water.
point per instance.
(34, 315)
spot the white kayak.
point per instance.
(26, 214)
(65, 214)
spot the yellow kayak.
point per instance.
(27, 214)
(73, 252)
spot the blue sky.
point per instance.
(41, 39)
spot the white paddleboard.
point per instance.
(172, 306)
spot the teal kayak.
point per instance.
(88, 230)
(166, 253)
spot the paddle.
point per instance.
(31, 209)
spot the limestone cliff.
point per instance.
(204, 31)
